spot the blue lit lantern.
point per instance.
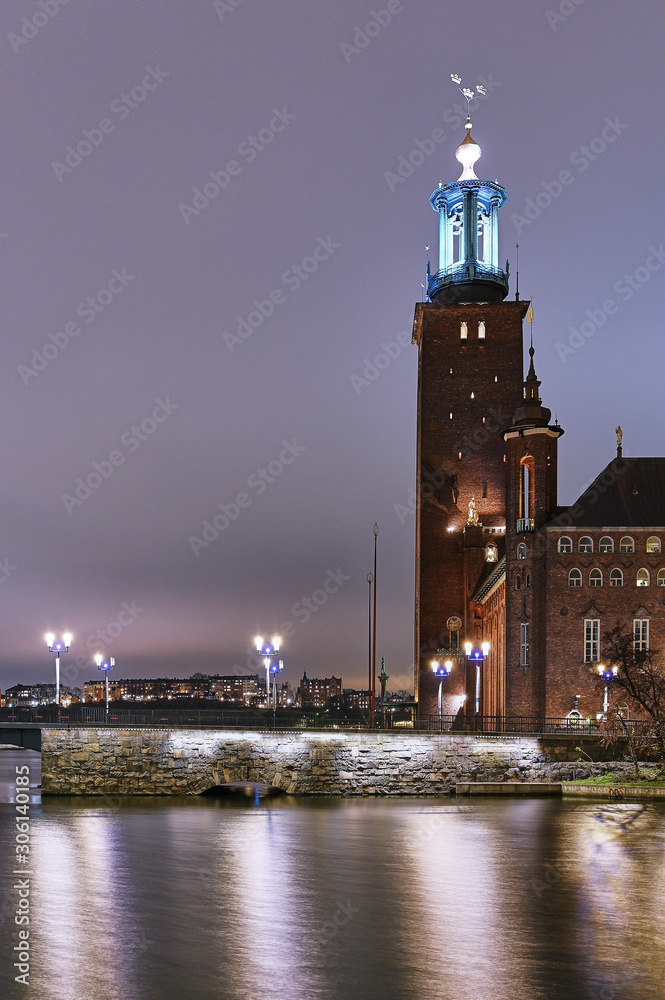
(468, 230)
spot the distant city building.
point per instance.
(318, 692)
(353, 699)
(239, 689)
(29, 695)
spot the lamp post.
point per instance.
(608, 674)
(272, 663)
(441, 668)
(105, 664)
(373, 686)
(477, 655)
(58, 646)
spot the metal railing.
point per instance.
(466, 271)
(82, 715)
(522, 724)
(525, 524)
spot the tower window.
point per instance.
(524, 644)
(491, 553)
(496, 378)
(616, 578)
(575, 578)
(653, 544)
(585, 544)
(660, 579)
(565, 544)
(626, 544)
(463, 331)
(451, 414)
(485, 490)
(606, 544)
(527, 581)
(521, 551)
(526, 486)
(481, 330)
(595, 578)
(643, 578)
(518, 582)
(473, 395)
(591, 640)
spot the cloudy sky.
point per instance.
(212, 219)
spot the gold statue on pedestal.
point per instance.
(472, 519)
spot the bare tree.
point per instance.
(641, 679)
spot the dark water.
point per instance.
(337, 899)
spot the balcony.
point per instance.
(469, 282)
(524, 525)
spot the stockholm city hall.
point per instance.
(513, 592)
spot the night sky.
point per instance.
(233, 324)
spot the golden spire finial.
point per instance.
(619, 434)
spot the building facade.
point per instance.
(513, 591)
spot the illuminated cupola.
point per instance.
(468, 230)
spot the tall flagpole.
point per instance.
(373, 692)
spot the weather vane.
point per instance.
(467, 94)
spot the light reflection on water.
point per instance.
(304, 899)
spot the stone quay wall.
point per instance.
(141, 761)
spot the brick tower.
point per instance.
(470, 377)
(531, 461)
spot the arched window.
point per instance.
(565, 544)
(521, 551)
(595, 578)
(463, 331)
(660, 579)
(616, 578)
(606, 544)
(491, 552)
(527, 581)
(653, 544)
(526, 486)
(585, 544)
(518, 582)
(575, 578)
(643, 578)
(626, 544)
(481, 330)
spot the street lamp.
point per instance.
(608, 674)
(105, 665)
(477, 655)
(272, 663)
(58, 646)
(442, 669)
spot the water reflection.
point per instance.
(334, 899)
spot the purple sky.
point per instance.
(336, 118)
